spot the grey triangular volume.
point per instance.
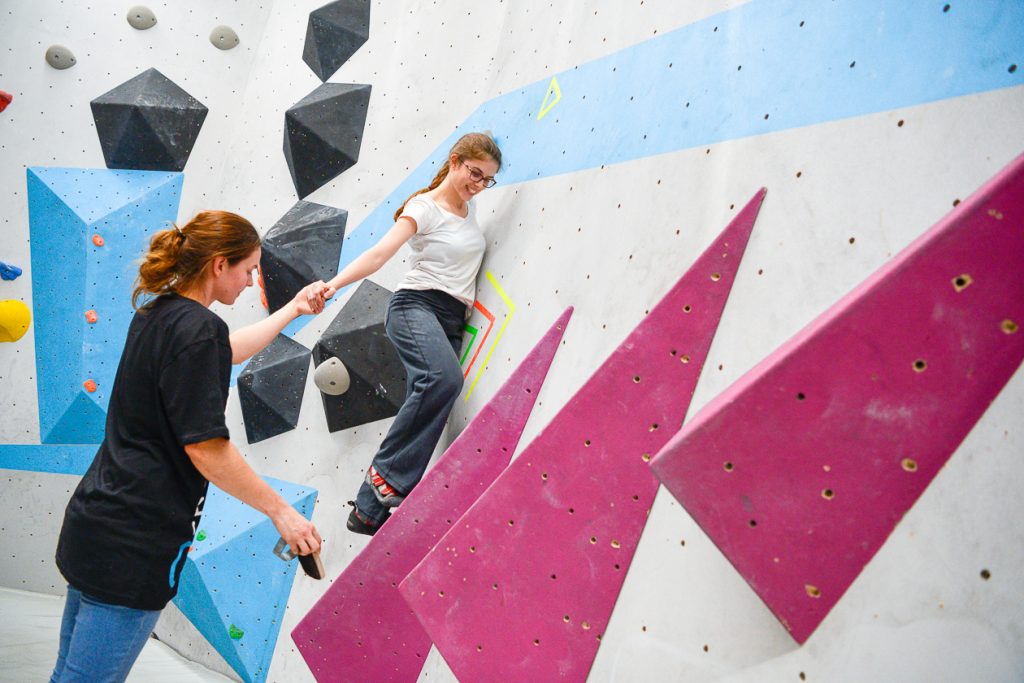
(323, 134)
(357, 338)
(303, 246)
(147, 123)
(334, 33)
(270, 388)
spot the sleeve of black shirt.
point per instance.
(194, 391)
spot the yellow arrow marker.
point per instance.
(511, 310)
(552, 97)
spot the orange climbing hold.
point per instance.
(90, 385)
(97, 240)
(91, 316)
(263, 291)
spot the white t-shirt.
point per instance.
(446, 250)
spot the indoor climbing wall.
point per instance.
(634, 136)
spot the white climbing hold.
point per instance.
(331, 377)
(141, 17)
(59, 57)
(224, 37)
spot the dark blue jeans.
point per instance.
(426, 329)
(99, 642)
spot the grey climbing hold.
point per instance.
(331, 377)
(303, 246)
(224, 37)
(59, 57)
(377, 377)
(141, 17)
(323, 133)
(147, 123)
(270, 389)
(334, 33)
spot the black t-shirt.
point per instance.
(130, 522)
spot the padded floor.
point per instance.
(28, 645)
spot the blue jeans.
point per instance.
(99, 642)
(426, 329)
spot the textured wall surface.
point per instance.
(867, 122)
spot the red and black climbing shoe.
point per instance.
(388, 496)
(358, 523)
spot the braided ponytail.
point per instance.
(479, 146)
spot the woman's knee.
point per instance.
(449, 381)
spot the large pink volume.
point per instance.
(361, 629)
(522, 588)
(801, 470)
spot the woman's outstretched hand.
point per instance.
(312, 298)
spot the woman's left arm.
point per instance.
(251, 339)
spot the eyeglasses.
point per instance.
(476, 175)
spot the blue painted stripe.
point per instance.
(767, 66)
(54, 459)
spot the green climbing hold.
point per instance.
(235, 632)
(201, 536)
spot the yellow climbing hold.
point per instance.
(552, 97)
(14, 320)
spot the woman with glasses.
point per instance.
(425, 317)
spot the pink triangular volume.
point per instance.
(362, 629)
(801, 470)
(522, 587)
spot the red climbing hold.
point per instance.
(91, 316)
(5, 99)
(97, 240)
(90, 385)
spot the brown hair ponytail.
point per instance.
(479, 146)
(178, 258)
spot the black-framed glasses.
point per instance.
(477, 176)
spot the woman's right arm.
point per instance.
(371, 260)
(220, 462)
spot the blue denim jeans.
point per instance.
(99, 642)
(426, 329)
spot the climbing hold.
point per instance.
(334, 33)
(59, 57)
(357, 338)
(90, 385)
(9, 272)
(141, 17)
(147, 123)
(323, 133)
(270, 388)
(201, 536)
(303, 246)
(235, 632)
(97, 240)
(224, 37)
(5, 99)
(331, 377)
(91, 316)
(14, 320)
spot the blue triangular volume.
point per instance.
(67, 207)
(233, 589)
(95, 192)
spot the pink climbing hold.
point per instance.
(361, 629)
(5, 99)
(801, 470)
(522, 587)
(91, 316)
(97, 240)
